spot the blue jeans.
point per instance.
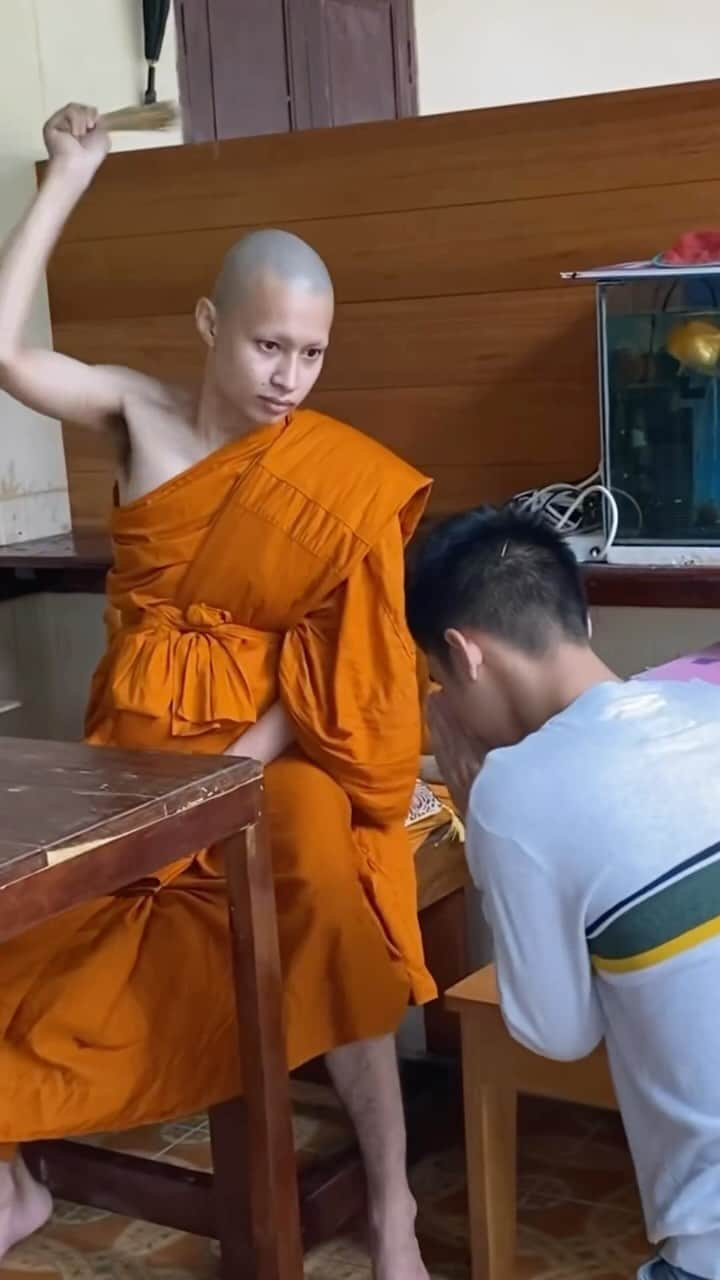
(661, 1270)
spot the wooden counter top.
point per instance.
(78, 561)
(654, 586)
(75, 550)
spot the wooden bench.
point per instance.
(495, 1070)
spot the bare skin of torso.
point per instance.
(157, 436)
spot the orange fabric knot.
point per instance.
(197, 667)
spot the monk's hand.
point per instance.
(459, 758)
(267, 739)
(76, 141)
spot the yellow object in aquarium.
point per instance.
(696, 344)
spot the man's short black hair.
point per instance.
(498, 570)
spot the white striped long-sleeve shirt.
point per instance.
(596, 844)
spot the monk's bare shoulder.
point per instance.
(134, 395)
(143, 394)
(154, 435)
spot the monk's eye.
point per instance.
(313, 353)
(267, 347)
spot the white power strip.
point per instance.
(586, 546)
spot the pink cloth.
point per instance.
(704, 664)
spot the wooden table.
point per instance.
(78, 822)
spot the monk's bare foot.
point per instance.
(394, 1244)
(25, 1205)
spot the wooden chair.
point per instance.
(442, 879)
(495, 1070)
(332, 1192)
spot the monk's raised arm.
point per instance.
(44, 380)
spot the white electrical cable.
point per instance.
(561, 505)
(614, 515)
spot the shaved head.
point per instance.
(267, 327)
(262, 254)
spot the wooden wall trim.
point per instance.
(656, 587)
(79, 562)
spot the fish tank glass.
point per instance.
(659, 358)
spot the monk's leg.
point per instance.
(346, 989)
(25, 1205)
(366, 1078)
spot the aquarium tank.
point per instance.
(659, 367)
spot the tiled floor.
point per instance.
(579, 1214)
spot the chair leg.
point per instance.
(270, 1182)
(491, 1156)
(444, 933)
(231, 1190)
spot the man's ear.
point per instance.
(206, 320)
(465, 654)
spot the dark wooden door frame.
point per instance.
(195, 82)
(403, 18)
(195, 66)
(306, 60)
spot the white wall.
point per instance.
(92, 51)
(630, 640)
(32, 466)
(52, 51)
(486, 53)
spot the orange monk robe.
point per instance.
(273, 568)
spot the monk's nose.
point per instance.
(285, 375)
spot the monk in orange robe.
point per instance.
(256, 608)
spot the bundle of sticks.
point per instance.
(159, 115)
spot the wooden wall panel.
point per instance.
(407, 342)
(456, 342)
(497, 424)
(415, 253)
